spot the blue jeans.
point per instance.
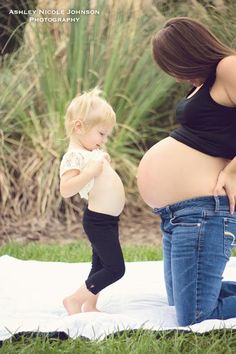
(198, 237)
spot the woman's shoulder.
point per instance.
(226, 75)
(226, 65)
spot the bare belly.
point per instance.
(107, 195)
(171, 171)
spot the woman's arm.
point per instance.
(226, 73)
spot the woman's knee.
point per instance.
(184, 320)
(190, 317)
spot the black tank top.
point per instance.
(206, 125)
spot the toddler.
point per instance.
(85, 169)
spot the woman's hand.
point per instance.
(226, 182)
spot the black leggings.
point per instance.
(107, 259)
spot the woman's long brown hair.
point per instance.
(186, 49)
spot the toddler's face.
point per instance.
(95, 137)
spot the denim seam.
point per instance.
(200, 239)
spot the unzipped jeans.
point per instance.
(198, 237)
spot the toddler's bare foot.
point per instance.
(88, 307)
(82, 296)
(72, 305)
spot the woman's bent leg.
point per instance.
(200, 252)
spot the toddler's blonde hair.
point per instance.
(90, 109)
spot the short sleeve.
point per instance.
(72, 160)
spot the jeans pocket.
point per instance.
(229, 236)
(185, 221)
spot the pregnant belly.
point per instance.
(107, 195)
(171, 171)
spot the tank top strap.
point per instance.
(211, 78)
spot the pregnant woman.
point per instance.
(189, 178)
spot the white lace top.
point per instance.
(77, 159)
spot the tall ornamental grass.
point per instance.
(57, 61)
(111, 50)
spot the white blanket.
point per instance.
(31, 294)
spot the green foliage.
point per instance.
(74, 252)
(56, 62)
(111, 50)
(128, 342)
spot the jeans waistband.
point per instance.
(213, 203)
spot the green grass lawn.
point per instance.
(136, 342)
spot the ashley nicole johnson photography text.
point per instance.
(50, 13)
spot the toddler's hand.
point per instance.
(94, 167)
(107, 157)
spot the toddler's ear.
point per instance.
(79, 126)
